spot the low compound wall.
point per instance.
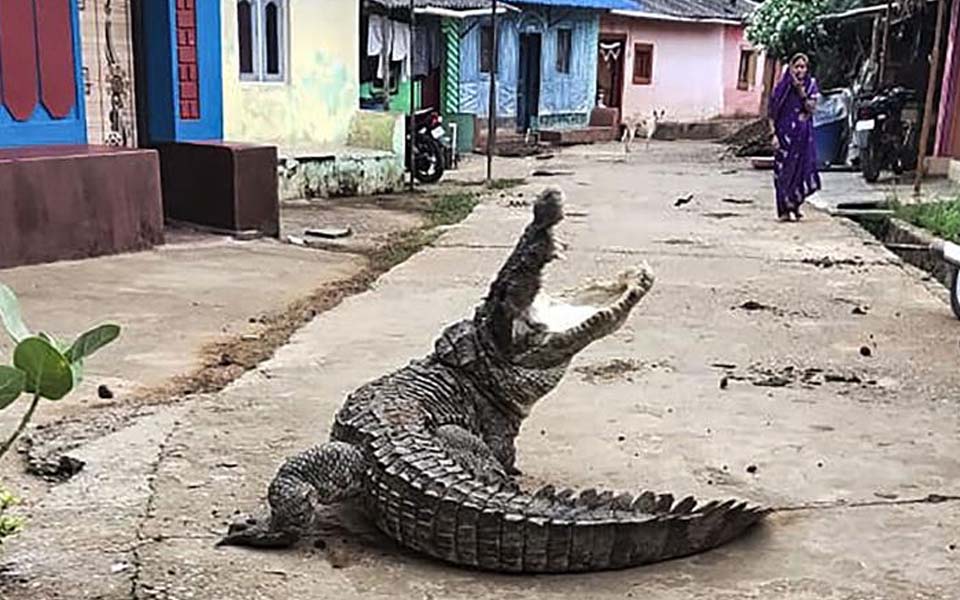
(372, 162)
(71, 202)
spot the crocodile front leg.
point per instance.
(324, 474)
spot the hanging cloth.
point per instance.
(400, 49)
(610, 51)
(379, 32)
(422, 51)
(374, 35)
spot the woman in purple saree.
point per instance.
(795, 161)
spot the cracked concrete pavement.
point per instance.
(140, 521)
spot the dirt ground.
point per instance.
(743, 374)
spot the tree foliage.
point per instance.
(785, 27)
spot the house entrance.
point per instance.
(528, 83)
(610, 63)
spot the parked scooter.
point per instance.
(885, 138)
(430, 143)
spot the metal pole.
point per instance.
(492, 105)
(413, 126)
(928, 108)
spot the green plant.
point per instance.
(42, 365)
(940, 218)
(506, 184)
(451, 208)
(9, 525)
(785, 27)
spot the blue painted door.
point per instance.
(180, 53)
(41, 87)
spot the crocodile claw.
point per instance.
(257, 533)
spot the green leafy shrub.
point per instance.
(43, 367)
(940, 218)
(785, 27)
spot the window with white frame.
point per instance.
(262, 39)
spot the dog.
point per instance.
(633, 125)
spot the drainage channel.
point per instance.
(910, 243)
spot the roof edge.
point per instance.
(652, 16)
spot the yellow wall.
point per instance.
(313, 108)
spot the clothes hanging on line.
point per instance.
(427, 51)
(395, 37)
(375, 35)
(400, 48)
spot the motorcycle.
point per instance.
(885, 132)
(430, 144)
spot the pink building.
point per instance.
(947, 141)
(689, 58)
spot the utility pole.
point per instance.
(928, 105)
(492, 105)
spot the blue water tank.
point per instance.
(828, 140)
(829, 123)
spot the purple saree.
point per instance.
(795, 163)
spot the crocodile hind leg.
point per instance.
(473, 454)
(324, 474)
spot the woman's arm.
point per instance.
(810, 98)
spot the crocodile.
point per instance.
(429, 453)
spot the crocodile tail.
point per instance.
(423, 499)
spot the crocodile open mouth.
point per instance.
(555, 327)
(573, 309)
(537, 330)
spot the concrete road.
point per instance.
(785, 311)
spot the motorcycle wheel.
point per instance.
(898, 166)
(430, 162)
(870, 164)
(955, 292)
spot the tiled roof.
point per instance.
(475, 4)
(448, 4)
(699, 9)
(598, 4)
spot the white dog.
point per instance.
(633, 125)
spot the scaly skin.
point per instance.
(429, 449)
